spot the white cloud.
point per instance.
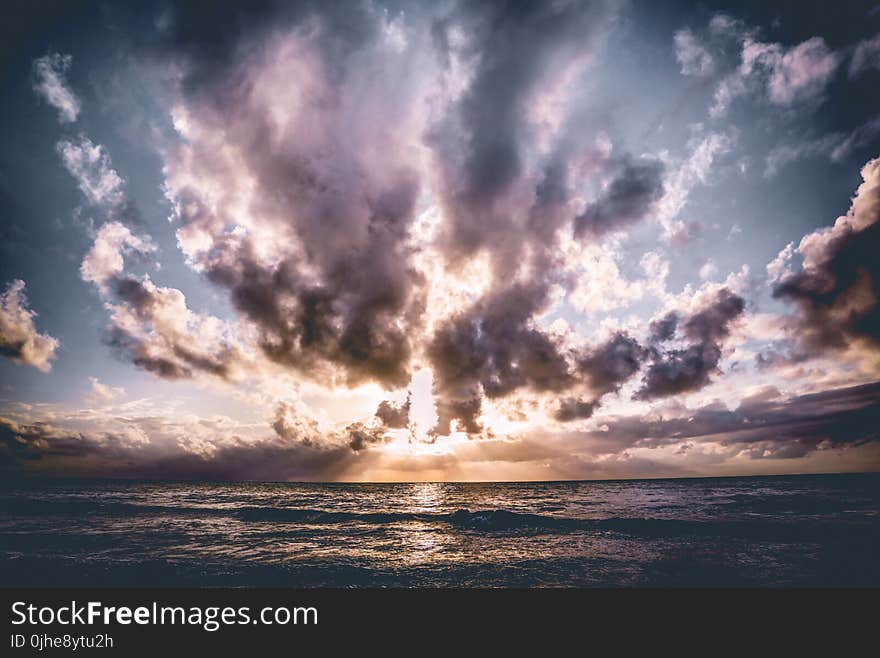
(835, 146)
(19, 339)
(692, 55)
(692, 171)
(601, 287)
(105, 259)
(778, 268)
(863, 212)
(784, 75)
(90, 166)
(708, 270)
(800, 72)
(784, 154)
(866, 56)
(100, 393)
(50, 83)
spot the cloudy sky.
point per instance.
(423, 241)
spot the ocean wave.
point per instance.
(483, 521)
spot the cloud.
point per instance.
(603, 369)
(510, 160)
(106, 259)
(394, 416)
(600, 285)
(299, 200)
(19, 339)
(836, 146)
(785, 154)
(360, 436)
(692, 55)
(690, 368)
(575, 409)
(154, 329)
(693, 170)
(100, 393)
(513, 57)
(151, 325)
(797, 73)
(860, 137)
(50, 83)
(836, 289)
(302, 202)
(609, 365)
(663, 329)
(90, 166)
(768, 426)
(445, 193)
(778, 268)
(866, 56)
(708, 270)
(493, 348)
(150, 447)
(628, 198)
(783, 75)
(158, 442)
(494, 351)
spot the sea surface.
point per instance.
(821, 530)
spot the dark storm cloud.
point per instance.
(360, 436)
(481, 146)
(465, 411)
(394, 416)
(570, 409)
(32, 441)
(269, 460)
(767, 425)
(712, 323)
(493, 348)
(352, 318)
(628, 198)
(350, 297)
(212, 37)
(603, 369)
(345, 293)
(836, 291)
(481, 143)
(690, 368)
(663, 328)
(679, 371)
(131, 348)
(610, 365)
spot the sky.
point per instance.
(412, 241)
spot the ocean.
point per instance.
(807, 530)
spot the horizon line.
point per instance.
(22, 477)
